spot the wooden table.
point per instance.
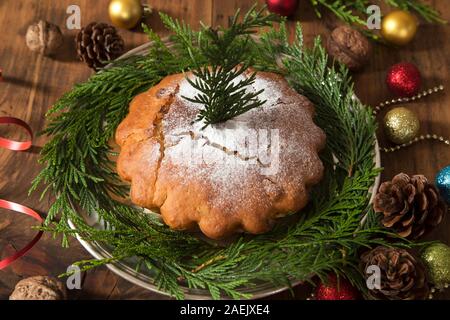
(32, 83)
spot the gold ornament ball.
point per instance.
(399, 27)
(125, 13)
(437, 259)
(401, 125)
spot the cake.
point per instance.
(236, 176)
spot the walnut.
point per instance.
(349, 47)
(44, 37)
(39, 288)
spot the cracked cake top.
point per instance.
(239, 175)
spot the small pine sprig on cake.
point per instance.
(220, 91)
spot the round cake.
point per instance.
(235, 176)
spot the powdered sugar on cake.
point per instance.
(237, 175)
(258, 143)
(236, 143)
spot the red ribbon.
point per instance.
(18, 146)
(22, 209)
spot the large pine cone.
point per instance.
(403, 277)
(98, 43)
(411, 206)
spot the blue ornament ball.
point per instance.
(443, 183)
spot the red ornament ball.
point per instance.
(403, 79)
(336, 290)
(282, 7)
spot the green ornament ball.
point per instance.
(437, 259)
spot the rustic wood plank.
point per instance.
(32, 83)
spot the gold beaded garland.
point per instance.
(408, 99)
(401, 125)
(417, 139)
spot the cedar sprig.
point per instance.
(220, 92)
(424, 10)
(354, 12)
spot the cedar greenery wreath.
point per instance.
(328, 235)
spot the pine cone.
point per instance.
(403, 277)
(98, 43)
(411, 206)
